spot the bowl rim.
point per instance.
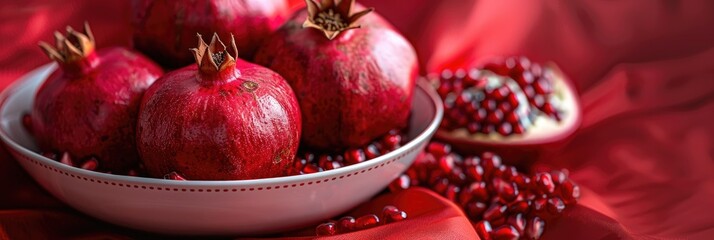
(22, 82)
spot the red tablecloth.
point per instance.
(645, 69)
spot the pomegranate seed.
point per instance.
(311, 168)
(505, 190)
(500, 93)
(512, 117)
(402, 182)
(474, 172)
(472, 161)
(371, 151)
(346, 224)
(495, 117)
(446, 163)
(478, 191)
(495, 211)
(489, 105)
(487, 129)
(299, 163)
(366, 221)
(392, 142)
(326, 229)
(174, 176)
(91, 164)
(474, 210)
(452, 192)
(509, 173)
(521, 180)
(538, 206)
(66, 159)
(569, 192)
(473, 127)
(392, 214)
(354, 156)
(483, 229)
(334, 165)
(505, 129)
(519, 207)
(444, 88)
(479, 115)
(507, 232)
(490, 161)
(438, 149)
(441, 186)
(463, 99)
(534, 228)
(323, 160)
(518, 222)
(457, 176)
(544, 182)
(555, 206)
(558, 176)
(27, 122)
(518, 129)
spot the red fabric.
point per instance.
(645, 70)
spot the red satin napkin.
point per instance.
(645, 70)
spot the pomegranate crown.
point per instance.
(72, 47)
(332, 16)
(214, 57)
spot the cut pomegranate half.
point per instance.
(515, 108)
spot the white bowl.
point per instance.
(244, 207)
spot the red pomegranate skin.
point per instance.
(352, 88)
(166, 29)
(90, 109)
(207, 128)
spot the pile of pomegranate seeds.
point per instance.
(503, 98)
(91, 164)
(350, 224)
(308, 162)
(504, 203)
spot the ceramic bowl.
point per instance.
(241, 207)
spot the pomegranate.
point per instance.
(516, 108)
(88, 107)
(502, 202)
(220, 119)
(165, 29)
(353, 85)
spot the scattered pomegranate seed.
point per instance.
(366, 221)
(27, 122)
(354, 156)
(326, 229)
(66, 159)
(91, 164)
(483, 229)
(494, 194)
(534, 228)
(346, 224)
(402, 182)
(174, 176)
(505, 232)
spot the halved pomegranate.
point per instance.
(515, 108)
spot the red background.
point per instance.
(645, 71)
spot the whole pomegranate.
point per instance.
(221, 119)
(353, 84)
(89, 105)
(517, 108)
(165, 29)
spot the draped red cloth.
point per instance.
(644, 155)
